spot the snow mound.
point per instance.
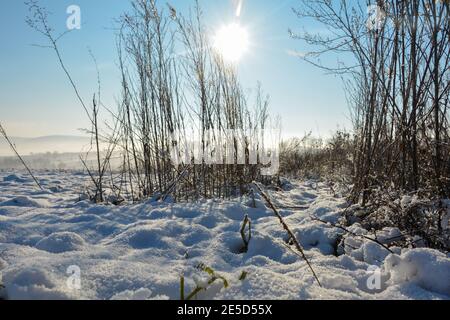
(24, 201)
(140, 294)
(373, 253)
(32, 284)
(369, 251)
(14, 178)
(144, 238)
(162, 234)
(426, 268)
(339, 282)
(60, 242)
(365, 251)
(264, 246)
(313, 236)
(389, 235)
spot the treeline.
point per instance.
(49, 160)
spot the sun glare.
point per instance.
(232, 42)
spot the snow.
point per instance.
(25, 202)
(33, 283)
(13, 178)
(140, 294)
(425, 268)
(59, 242)
(140, 251)
(322, 239)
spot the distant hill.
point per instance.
(60, 144)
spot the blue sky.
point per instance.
(36, 98)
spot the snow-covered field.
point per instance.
(50, 240)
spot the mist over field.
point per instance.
(47, 144)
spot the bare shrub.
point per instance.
(396, 76)
(310, 157)
(176, 91)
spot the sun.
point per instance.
(232, 42)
